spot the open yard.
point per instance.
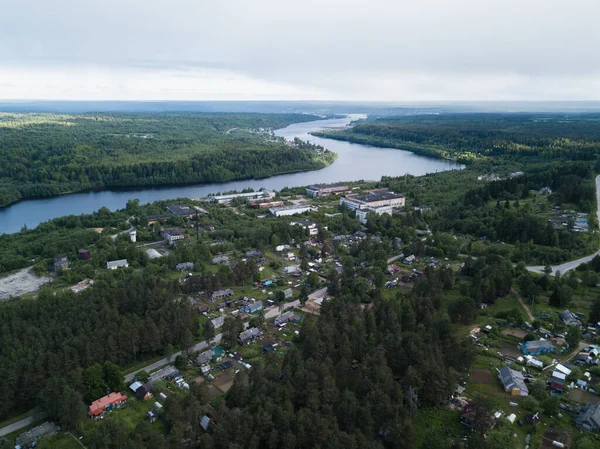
(582, 396)
(510, 349)
(551, 435)
(482, 376)
(519, 333)
(20, 283)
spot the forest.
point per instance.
(483, 137)
(49, 154)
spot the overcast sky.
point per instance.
(394, 50)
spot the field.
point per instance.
(482, 376)
(582, 396)
(551, 435)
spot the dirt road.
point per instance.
(529, 314)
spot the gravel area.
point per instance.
(21, 283)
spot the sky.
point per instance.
(369, 50)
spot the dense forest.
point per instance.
(49, 154)
(469, 137)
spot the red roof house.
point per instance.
(108, 402)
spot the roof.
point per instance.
(163, 373)
(117, 263)
(562, 369)
(179, 210)
(134, 386)
(590, 414)
(569, 318)
(377, 196)
(538, 344)
(253, 332)
(285, 317)
(98, 406)
(204, 357)
(559, 375)
(26, 438)
(218, 321)
(327, 186)
(512, 379)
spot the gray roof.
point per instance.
(569, 318)
(512, 379)
(26, 438)
(590, 416)
(253, 332)
(536, 344)
(204, 357)
(163, 373)
(117, 263)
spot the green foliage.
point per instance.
(573, 336)
(49, 154)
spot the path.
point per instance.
(569, 355)
(568, 266)
(162, 362)
(529, 314)
(16, 426)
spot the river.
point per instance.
(355, 162)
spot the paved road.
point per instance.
(154, 366)
(16, 426)
(568, 266)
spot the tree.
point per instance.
(180, 362)
(586, 442)
(551, 405)
(113, 379)
(71, 408)
(303, 295)
(232, 328)
(573, 336)
(304, 265)
(531, 404)
(93, 382)
(538, 390)
(561, 296)
(208, 331)
(595, 312)
(187, 340)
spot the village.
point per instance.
(251, 301)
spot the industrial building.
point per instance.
(289, 210)
(226, 199)
(325, 189)
(375, 199)
(361, 214)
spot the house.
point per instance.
(291, 269)
(569, 318)
(61, 263)
(589, 418)
(106, 403)
(166, 373)
(205, 422)
(253, 253)
(281, 248)
(562, 369)
(29, 439)
(410, 259)
(218, 321)
(204, 357)
(220, 259)
(535, 363)
(84, 254)
(217, 353)
(172, 235)
(114, 264)
(307, 225)
(288, 293)
(285, 318)
(537, 347)
(557, 381)
(318, 190)
(144, 392)
(151, 416)
(513, 381)
(220, 294)
(252, 307)
(373, 199)
(286, 211)
(185, 266)
(134, 386)
(249, 335)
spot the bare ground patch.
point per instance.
(582, 396)
(21, 283)
(519, 333)
(551, 435)
(510, 350)
(482, 376)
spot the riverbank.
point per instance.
(434, 152)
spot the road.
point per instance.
(568, 266)
(529, 314)
(162, 362)
(569, 355)
(16, 426)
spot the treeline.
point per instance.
(47, 154)
(49, 342)
(467, 137)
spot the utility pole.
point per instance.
(197, 224)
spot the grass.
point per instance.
(436, 418)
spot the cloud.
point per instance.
(273, 49)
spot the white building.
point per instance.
(374, 199)
(114, 264)
(361, 214)
(311, 226)
(226, 199)
(133, 235)
(172, 235)
(289, 210)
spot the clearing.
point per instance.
(21, 283)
